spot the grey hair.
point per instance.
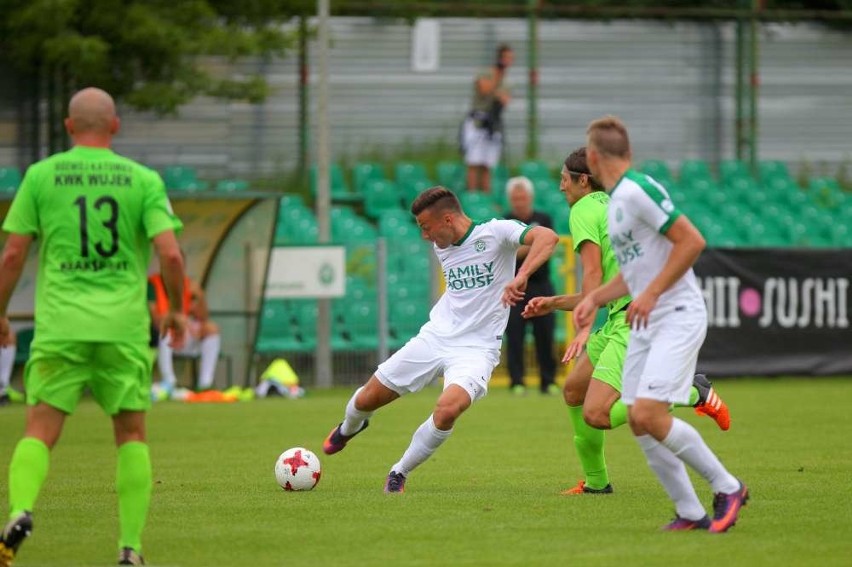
(523, 182)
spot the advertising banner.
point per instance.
(776, 311)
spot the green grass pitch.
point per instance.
(488, 497)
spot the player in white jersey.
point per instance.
(461, 340)
(656, 246)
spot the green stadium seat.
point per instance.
(545, 191)
(451, 174)
(757, 199)
(796, 199)
(780, 186)
(364, 172)
(826, 192)
(291, 200)
(414, 268)
(817, 183)
(305, 314)
(694, 169)
(361, 324)
(658, 170)
(10, 179)
(381, 196)
(732, 169)
(478, 206)
(232, 185)
(397, 224)
(769, 171)
(406, 318)
(535, 169)
(410, 190)
(183, 178)
(408, 247)
(358, 289)
(561, 216)
(406, 172)
(277, 333)
(338, 188)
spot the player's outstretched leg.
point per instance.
(429, 436)
(366, 399)
(710, 404)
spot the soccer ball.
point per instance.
(297, 469)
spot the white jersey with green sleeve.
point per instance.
(640, 213)
(476, 270)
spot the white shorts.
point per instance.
(479, 148)
(661, 358)
(425, 357)
(191, 339)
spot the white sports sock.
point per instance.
(672, 474)
(687, 445)
(209, 356)
(424, 442)
(354, 417)
(7, 362)
(164, 361)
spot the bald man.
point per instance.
(94, 213)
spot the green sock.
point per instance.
(27, 473)
(617, 414)
(693, 399)
(133, 483)
(589, 443)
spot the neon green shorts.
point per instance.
(607, 348)
(118, 375)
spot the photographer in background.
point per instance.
(482, 130)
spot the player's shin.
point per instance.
(672, 475)
(355, 418)
(133, 484)
(589, 443)
(686, 443)
(27, 473)
(425, 441)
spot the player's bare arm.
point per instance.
(584, 313)
(171, 265)
(11, 267)
(590, 258)
(542, 242)
(688, 245)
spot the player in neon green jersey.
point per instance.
(94, 214)
(593, 388)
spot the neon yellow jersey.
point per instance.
(588, 222)
(94, 213)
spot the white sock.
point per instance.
(164, 361)
(424, 442)
(7, 362)
(209, 355)
(672, 474)
(354, 417)
(687, 445)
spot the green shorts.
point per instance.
(118, 375)
(607, 348)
